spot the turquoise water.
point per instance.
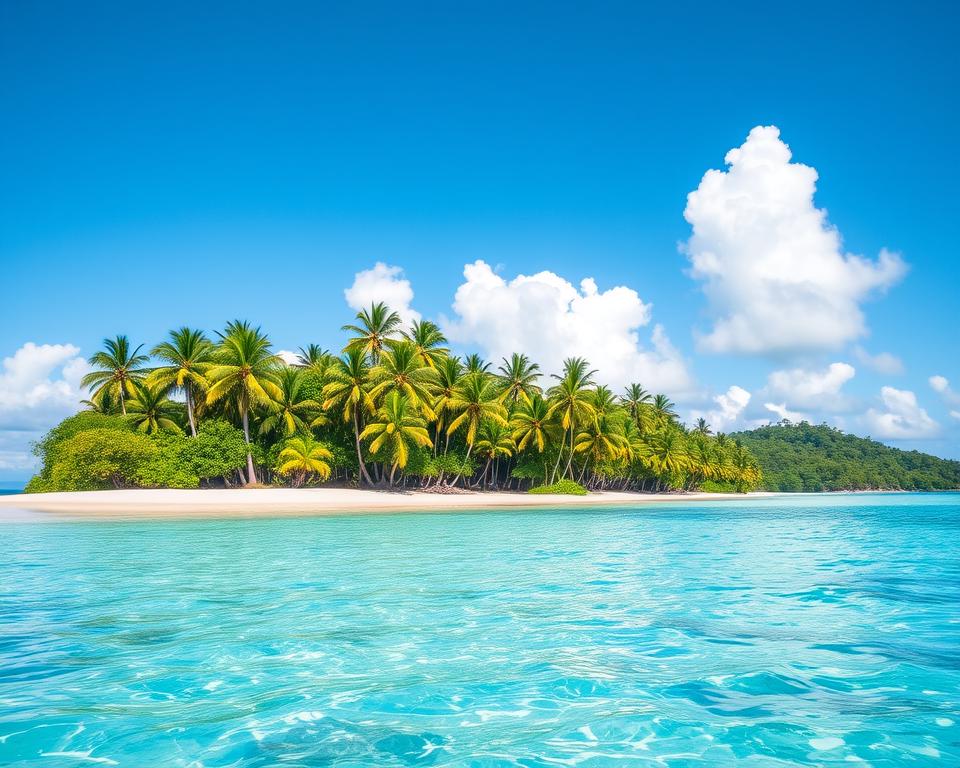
(803, 631)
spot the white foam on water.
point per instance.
(85, 756)
(826, 743)
(944, 722)
(213, 685)
(589, 734)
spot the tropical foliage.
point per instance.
(807, 457)
(394, 408)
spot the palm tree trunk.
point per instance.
(469, 448)
(570, 458)
(356, 437)
(123, 405)
(393, 471)
(553, 475)
(190, 415)
(251, 472)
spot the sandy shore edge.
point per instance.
(271, 502)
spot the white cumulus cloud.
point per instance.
(385, 283)
(901, 417)
(773, 267)
(941, 385)
(819, 389)
(290, 358)
(727, 410)
(549, 319)
(883, 362)
(39, 385)
(782, 412)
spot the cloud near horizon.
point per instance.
(901, 418)
(812, 389)
(39, 386)
(772, 266)
(548, 318)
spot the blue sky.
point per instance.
(172, 165)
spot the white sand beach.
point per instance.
(269, 502)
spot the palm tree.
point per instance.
(400, 370)
(428, 342)
(150, 411)
(604, 402)
(663, 410)
(291, 413)
(495, 442)
(570, 401)
(302, 457)
(245, 371)
(475, 401)
(532, 424)
(314, 357)
(188, 356)
(475, 364)
(449, 375)
(518, 377)
(398, 428)
(602, 440)
(668, 453)
(702, 428)
(635, 398)
(375, 326)
(118, 372)
(348, 388)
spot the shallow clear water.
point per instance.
(803, 631)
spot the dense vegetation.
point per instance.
(395, 408)
(804, 457)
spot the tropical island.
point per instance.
(394, 410)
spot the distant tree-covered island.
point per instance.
(807, 457)
(393, 409)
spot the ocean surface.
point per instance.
(807, 630)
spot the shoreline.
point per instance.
(133, 504)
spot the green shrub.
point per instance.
(566, 487)
(218, 450)
(50, 446)
(100, 458)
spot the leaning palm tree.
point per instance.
(570, 402)
(428, 340)
(291, 412)
(397, 428)
(245, 372)
(400, 370)
(117, 372)
(187, 358)
(518, 379)
(302, 457)
(348, 388)
(150, 411)
(374, 327)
